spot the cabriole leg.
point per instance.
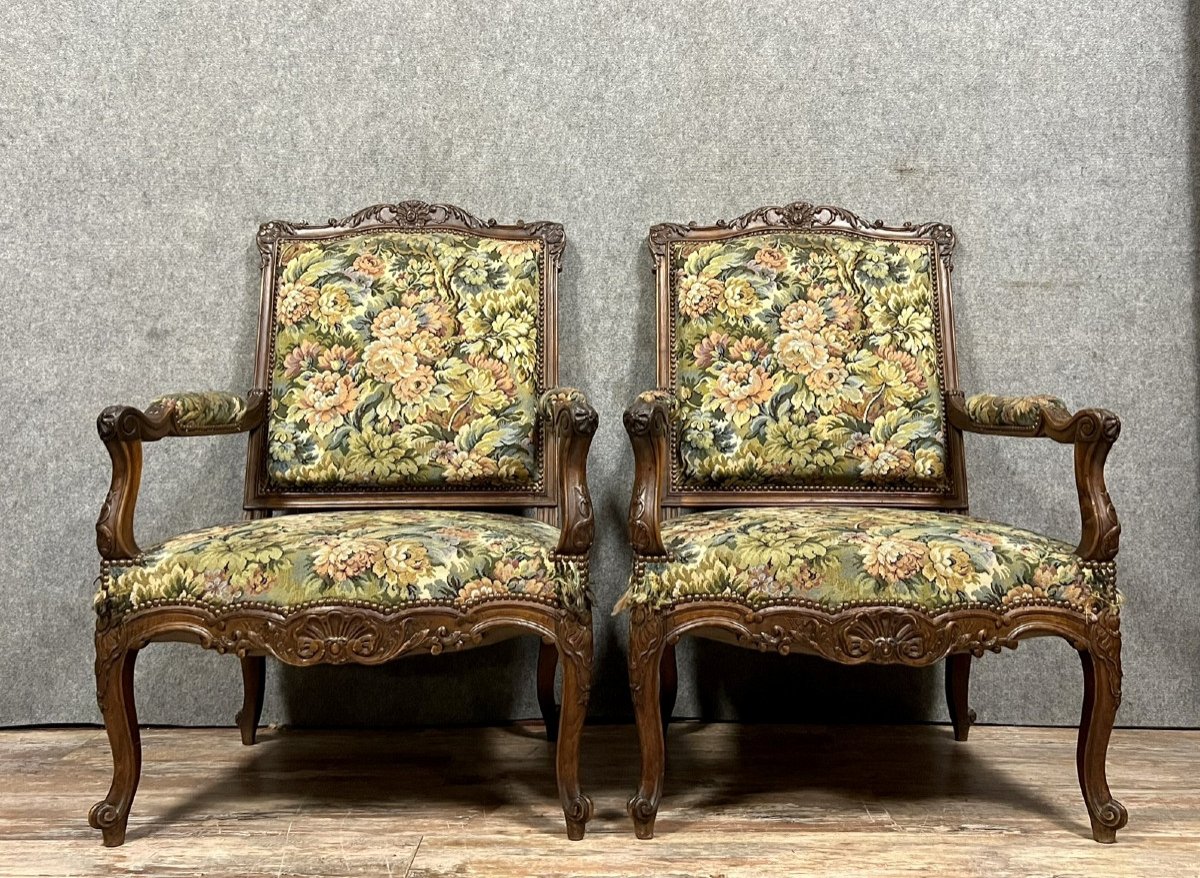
(254, 681)
(574, 645)
(646, 647)
(958, 679)
(1101, 698)
(114, 691)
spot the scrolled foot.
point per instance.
(111, 822)
(643, 811)
(1107, 819)
(578, 813)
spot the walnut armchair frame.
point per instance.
(353, 632)
(905, 635)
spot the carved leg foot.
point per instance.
(668, 685)
(1101, 697)
(958, 679)
(254, 681)
(574, 645)
(114, 690)
(547, 665)
(646, 654)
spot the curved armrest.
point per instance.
(123, 429)
(1092, 431)
(573, 422)
(648, 423)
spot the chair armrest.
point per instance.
(573, 423)
(123, 429)
(648, 423)
(1091, 431)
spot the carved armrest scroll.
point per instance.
(1091, 431)
(648, 423)
(573, 422)
(123, 429)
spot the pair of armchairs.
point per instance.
(406, 406)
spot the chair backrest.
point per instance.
(808, 353)
(403, 350)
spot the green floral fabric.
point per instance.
(835, 556)
(208, 409)
(1014, 411)
(807, 359)
(384, 557)
(406, 359)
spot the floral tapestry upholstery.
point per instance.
(841, 555)
(807, 359)
(406, 359)
(210, 409)
(388, 558)
(1014, 411)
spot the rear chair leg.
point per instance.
(114, 691)
(1101, 698)
(958, 679)
(574, 645)
(668, 684)
(546, 668)
(254, 681)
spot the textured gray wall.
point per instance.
(141, 147)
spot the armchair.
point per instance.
(799, 481)
(405, 405)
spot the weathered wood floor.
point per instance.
(740, 800)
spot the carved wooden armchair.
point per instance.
(809, 424)
(404, 406)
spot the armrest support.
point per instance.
(1091, 431)
(648, 423)
(123, 429)
(573, 423)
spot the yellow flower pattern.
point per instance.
(385, 557)
(807, 359)
(839, 555)
(406, 359)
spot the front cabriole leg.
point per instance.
(574, 642)
(1101, 659)
(114, 692)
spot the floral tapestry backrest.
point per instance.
(807, 359)
(405, 359)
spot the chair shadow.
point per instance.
(836, 760)
(362, 769)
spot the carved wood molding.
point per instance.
(572, 422)
(413, 215)
(341, 634)
(648, 423)
(878, 635)
(799, 216)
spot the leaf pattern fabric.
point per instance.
(406, 359)
(387, 558)
(1014, 411)
(807, 359)
(208, 409)
(839, 555)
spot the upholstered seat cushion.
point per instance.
(840, 556)
(385, 557)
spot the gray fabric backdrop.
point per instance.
(142, 144)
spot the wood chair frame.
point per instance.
(905, 635)
(355, 632)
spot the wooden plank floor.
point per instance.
(740, 800)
